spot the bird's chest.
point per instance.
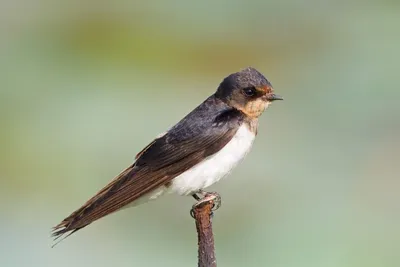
(216, 166)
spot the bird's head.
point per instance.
(248, 91)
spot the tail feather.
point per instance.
(82, 216)
(59, 233)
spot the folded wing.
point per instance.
(185, 145)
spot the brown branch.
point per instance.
(201, 212)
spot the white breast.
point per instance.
(215, 167)
(209, 171)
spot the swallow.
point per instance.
(198, 151)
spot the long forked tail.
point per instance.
(95, 208)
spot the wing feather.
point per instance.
(185, 145)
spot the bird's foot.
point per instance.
(199, 194)
(207, 197)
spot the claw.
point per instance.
(208, 196)
(217, 200)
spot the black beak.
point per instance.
(273, 97)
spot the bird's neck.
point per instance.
(252, 124)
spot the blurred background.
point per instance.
(85, 85)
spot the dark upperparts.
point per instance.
(245, 78)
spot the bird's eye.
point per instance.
(250, 91)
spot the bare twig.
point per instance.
(202, 214)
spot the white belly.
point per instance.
(209, 171)
(215, 167)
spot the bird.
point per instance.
(195, 153)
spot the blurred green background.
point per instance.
(85, 85)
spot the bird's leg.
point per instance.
(196, 196)
(207, 196)
(199, 194)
